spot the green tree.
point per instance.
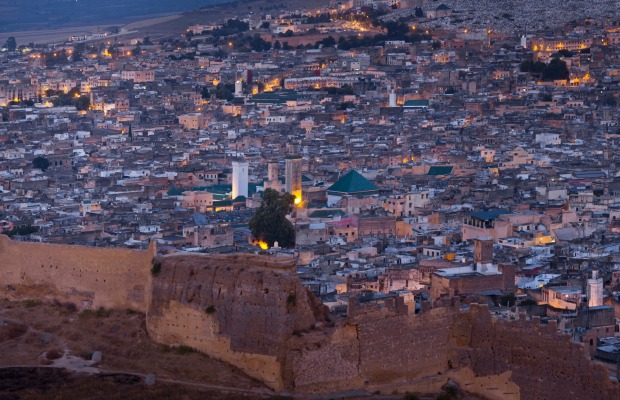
(41, 163)
(609, 100)
(269, 223)
(556, 69)
(82, 103)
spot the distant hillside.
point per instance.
(19, 15)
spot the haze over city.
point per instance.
(309, 199)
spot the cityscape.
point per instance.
(310, 200)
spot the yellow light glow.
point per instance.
(263, 245)
(297, 200)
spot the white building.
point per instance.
(239, 179)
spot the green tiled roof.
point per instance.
(353, 183)
(416, 104)
(175, 192)
(440, 170)
(326, 213)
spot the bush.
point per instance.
(210, 310)
(53, 354)
(99, 313)
(31, 303)
(183, 349)
(156, 268)
(291, 299)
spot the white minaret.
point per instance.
(240, 179)
(595, 290)
(238, 88)
(524, 41)
(392, 102)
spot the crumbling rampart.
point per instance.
(241, 309)
(253, 312)
(90, 277)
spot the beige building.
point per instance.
(193, 121)
(404, 205)
(138, 76)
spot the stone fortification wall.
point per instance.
(544, 364)
(253, 312)
(89, 277)
(241, 309)
(517, 359)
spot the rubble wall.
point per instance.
(89, 277)
(518, 358)
(544, 364)
(253, 312)
(241, 309)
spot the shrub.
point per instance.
(31, 303)
(183, 349)
(210, 310)
(291, 299)
(528, 302)
(53, 354)
(99, 313)
(156, 268)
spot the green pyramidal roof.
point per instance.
(353, 183)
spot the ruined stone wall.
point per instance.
(544, 364)
(241, 309)
(533, 361)
(89, 277)
(253, 312)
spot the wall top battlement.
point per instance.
(89, 277)
(7, 243)
(239, 260)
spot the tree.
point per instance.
(556, 69)
(10, 43)
(82, 103)
(41, 163)
(609, 100)
(269, 223)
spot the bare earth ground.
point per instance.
(40, 335)
(167, 25)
